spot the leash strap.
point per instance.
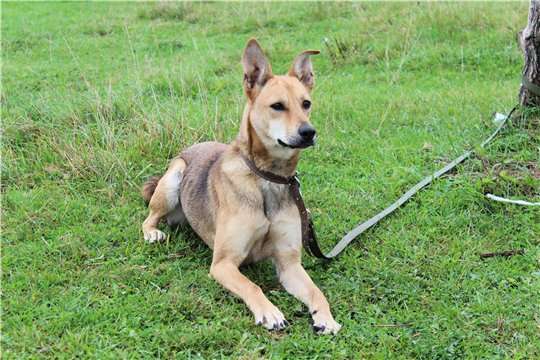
(309, 238)
(354, 233)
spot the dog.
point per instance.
(241, 216)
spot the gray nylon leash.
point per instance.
(354, 233)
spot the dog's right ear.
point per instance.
(257, 69)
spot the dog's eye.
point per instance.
(306, 104)
(278, 106)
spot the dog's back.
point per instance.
(197, 195)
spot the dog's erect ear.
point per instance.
(257, 69)
(302, 68)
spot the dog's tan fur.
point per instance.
(242, 217)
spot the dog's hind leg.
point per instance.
(165, 202)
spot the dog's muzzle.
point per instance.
(297, 143)
(306, 138)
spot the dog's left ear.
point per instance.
(303, 69)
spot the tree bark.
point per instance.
(529, 40)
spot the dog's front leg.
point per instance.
(297, 282)
(286, 239)
(231, 246)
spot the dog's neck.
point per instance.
(250, 145)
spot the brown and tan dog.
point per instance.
(241, 216)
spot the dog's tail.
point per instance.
(149, 187)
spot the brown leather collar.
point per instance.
(309, 238)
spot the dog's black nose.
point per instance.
(307, 132)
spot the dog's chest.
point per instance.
(275, 196)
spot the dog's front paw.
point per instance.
(325, 324)
(271, 318)
(154, 236)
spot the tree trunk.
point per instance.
(529, 40)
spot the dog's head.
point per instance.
(279, 105)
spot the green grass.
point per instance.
(96, 97)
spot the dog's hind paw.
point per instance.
(154, 236)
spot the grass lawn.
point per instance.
(96, 97)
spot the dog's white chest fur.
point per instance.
(274, 195)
